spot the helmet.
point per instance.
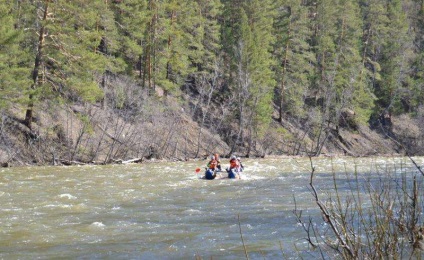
(238, 158)
(212, 157)
(233, 157)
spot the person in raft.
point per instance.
(241, 167)
(218, 165)
(233, 170)
(210, 173)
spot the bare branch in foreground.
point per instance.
(327, 216)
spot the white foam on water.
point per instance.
(251, 177)
(191, 211)
(97, 224)
(183, 183)
(50, 206)
(60, 205)
(151, 225)
(44, 176)
(173, 248)
(79, 207)
(10, 210)
(68, 196)
(283, 178)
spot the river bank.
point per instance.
(89, 134)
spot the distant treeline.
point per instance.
(315, 62)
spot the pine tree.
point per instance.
(230, 33)
(325, 33)
(295, 57)
(12, 60)
(251, 74)
(203, 36)
(262, 18)
(150, 43)
(396, 58)
(69, 54)
(353, 90)
(323, 86)
(132, 17)
(178, 64)
(416, 85)
(168, 55)
(387, 53)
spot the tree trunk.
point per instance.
(29, 115)
(283, 73)
(168, 63)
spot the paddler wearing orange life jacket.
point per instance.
(234, 167)
(240, 165)
(218, 165)
(210, 173)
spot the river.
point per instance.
(164, 211)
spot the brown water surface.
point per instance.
(163, 210)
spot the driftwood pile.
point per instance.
(69, 163)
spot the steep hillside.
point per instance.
(89, 134)
(81, 134)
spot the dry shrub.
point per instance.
(377, 217)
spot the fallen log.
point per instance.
(135, 160)
(68, 163)
(120, 161)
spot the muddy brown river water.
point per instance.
(164, 211)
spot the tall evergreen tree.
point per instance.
(132, 17)
(176, 57)
(230, 33)
(263, 78)
(150, 44)
(396, 59)
(243, 80)
(324, 37)
(416, 85)
(12, 60)
(387, 52)
(253, 79)
(67, 59)
(204, 34)
(323, 86)
(295, 57)
(353, 90)
(169, 55)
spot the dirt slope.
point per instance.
(91, 134)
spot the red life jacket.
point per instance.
(233, 163)
(212, 164)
